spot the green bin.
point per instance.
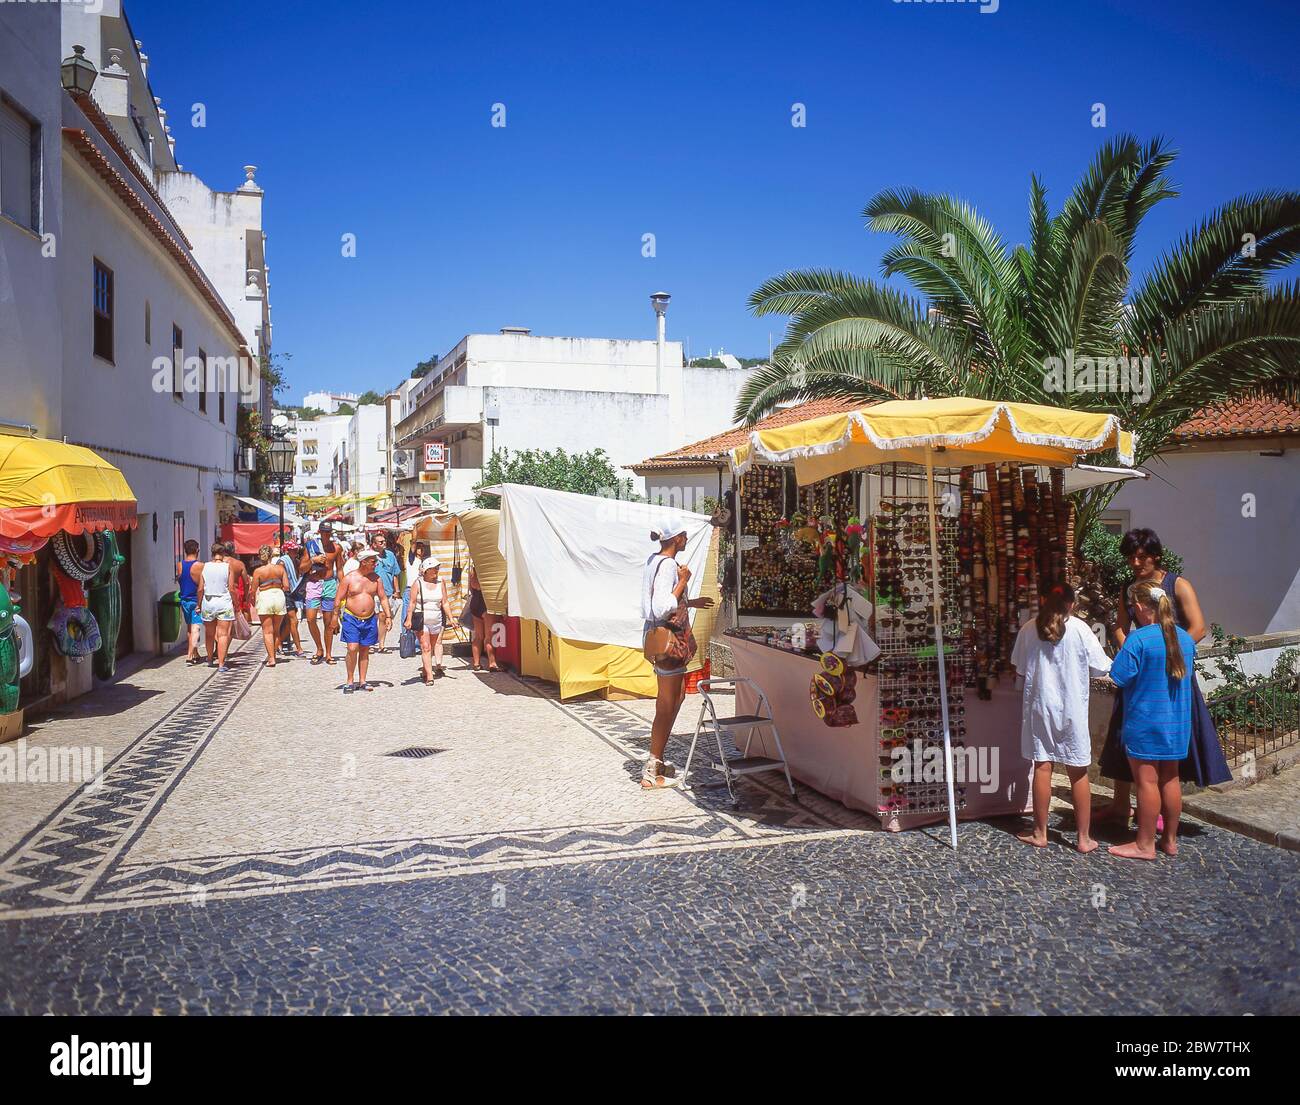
(169, 617)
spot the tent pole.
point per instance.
(938, 640)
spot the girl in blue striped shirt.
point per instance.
(1154, 671)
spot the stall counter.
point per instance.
(843, 763)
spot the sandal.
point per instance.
(315, 660)
(653, 777)
(331, 660)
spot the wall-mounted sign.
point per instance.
(430, 500)
(434, 455)
(431, 477)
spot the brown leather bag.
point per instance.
(660, 640)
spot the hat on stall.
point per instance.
(429, 562)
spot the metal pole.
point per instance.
(938, 640)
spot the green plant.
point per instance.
(1269, 701)
(1204, 325)
(589, 473)
(424, 368)
(369, 398)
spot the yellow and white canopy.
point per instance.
(951, 432)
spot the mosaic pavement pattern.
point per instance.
(256, 848)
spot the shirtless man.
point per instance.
(358, 596)
(322, 563)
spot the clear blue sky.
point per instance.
(674, 119)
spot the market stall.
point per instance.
(568, 567)
(59, 507)
(936, 524)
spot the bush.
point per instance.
(584, 473)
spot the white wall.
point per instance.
(31, 336)
(113, 407)
(328, 433)
(367, 450)
(1246, 570)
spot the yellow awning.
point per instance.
(47, 486)
(955, 432)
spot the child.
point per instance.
(1154, 671)
(1055, 654)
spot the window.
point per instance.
(1115, 521)
(221, 399)
(148, 324)
(103, 311)
(178, 363)
(20, 167)
(203, 384)
(178, 535)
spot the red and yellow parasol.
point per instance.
(48, 486)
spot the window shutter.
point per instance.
(16, 161)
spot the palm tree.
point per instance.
(999, 323)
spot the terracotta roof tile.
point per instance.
(1243, 418)
(711, 448)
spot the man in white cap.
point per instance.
(360, 598)
(664, 605)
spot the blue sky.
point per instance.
(674, 119)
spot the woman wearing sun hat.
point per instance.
(427, 614)
(664, 605)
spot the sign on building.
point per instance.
(434, 455)
(430, 500)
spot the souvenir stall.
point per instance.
(896, 697)
(59, 507)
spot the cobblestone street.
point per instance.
(256, 847)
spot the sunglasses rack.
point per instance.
(911, 719)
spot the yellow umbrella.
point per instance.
(951, 433)
(961, 431)
(47, 486)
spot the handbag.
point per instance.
(241, 630)
(407, 644)
(455, 561)
(661, 638)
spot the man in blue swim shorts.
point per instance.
(361, 597)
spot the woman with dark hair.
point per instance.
(1056, 655)
(1204, 763)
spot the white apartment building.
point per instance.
(116, 335)
(516, 390)
(317, 443)
(330, 401)
(364, 461)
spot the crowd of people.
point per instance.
(1160, 732)
(347, 587)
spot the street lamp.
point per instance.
(282, 455)
(78, 71)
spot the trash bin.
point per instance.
(169, 618)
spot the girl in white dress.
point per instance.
(1056, 654)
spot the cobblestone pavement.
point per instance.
(1268, 810)
(255, 846)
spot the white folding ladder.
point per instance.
(734, 766)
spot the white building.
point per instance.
(330, 401)
(317, 442)
(515, 390)
(113, 335)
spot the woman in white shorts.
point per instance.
(427, 614)
(216, 607)
(270, 584)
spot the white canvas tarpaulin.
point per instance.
(575, 561)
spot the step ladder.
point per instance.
(732, 767)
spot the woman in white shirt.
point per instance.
(427, 614)
(1056, 654)
(664, 604)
